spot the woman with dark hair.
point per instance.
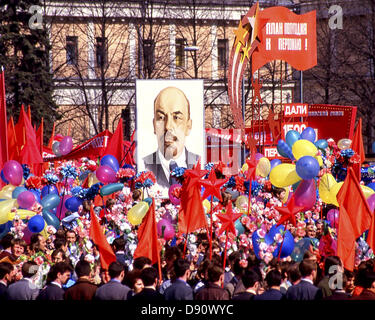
(134, 282)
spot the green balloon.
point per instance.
(51, 219)
(111, 188)
(50, 201)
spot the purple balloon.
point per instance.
(168, 229)
(26, 199)
(173, 199)
(66, 145)
(371, 202)
(305, 194)
(333, 217)
(61, 209)
(13, 172)
(106, 174)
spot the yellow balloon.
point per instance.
(320, 160)
(344, 144)
(244, 168)
(367, 191)
(133, 220)
(6, 192)
(242, 203)
(303, 148)
(22, 214)
(284, 175)
(44, 232)
(327, 181)
(263, 167)
(206, 206)
(137, 212)
(5, 208)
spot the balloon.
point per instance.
(333, 217)
(36, 223)
(92, 179)
(17, 191)
(3, 178)
(51, 219)
(5, 228)
(242, 203)
(344, 144)
(73, 203)
(284, 175)
(56, 148)
(22, 214)
(49, 189)
(27, 235)
(137, 212)
(284, 150)
(371, 202)
(304, 148)
(307, 167)
(148, 200)
(66, 145)
(291, 137)
(275, 162)
(371, 185)
(367, 192)
(321, 144)
(326, 183)
(50, 201)
(13, 172)
(110, 161)
(287, 244)
(239, 227)
(258, 156)
(300, 248)
(320, 160)
(308, 134)
(106, 174)
(263, 167)
(26, 199)
(305, 195)
(5, 208)
(206, 206)
(175, 201)
(7, 192)
(165, 229)
(111, 188)
(254, 239)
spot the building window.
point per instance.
(71, 50)
(222, 50)
(148, 55)
(101, 51)
(180, 52)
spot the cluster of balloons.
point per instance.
(106, 173)
(63, 147)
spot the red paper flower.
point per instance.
(33, 182)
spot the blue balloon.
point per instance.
(287, 244)
(36, 194)
(239, 227)
(17, 191)
(275, 162)
(284, 149)
(48, 189)
(291, 137)
(371, 185)
(50, 201)
(148, 200)
(254, 239)
(51, 219)
(3, 177)
(321, 144)
(73, 203)
(308, 134)
(110, 161)
(5, 228)
(307, 167)
(36, 223)
(299, 249)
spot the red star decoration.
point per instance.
(228, 219)
(289, 212)
(256, 89)
(194, 174)
(252, 166)
(212, 186)
(251, 144)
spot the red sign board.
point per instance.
(295, 110)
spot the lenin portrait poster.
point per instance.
(169, 127)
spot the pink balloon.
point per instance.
(66, 145)
(173, 199)
(305, 194)
(26, 199)
(168, 229)
(13, 172)
(371, 202)
(106, 174)
(333, 217)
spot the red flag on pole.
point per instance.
(20, 128)
(4, 156)
(148, 245)
(354, 218)
(115, 145)
(14, 152)
(39, 136)
(107, 256)
(52, 136)
(357, 146)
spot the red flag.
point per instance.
(4, 156)
(39, 136)
(357, 146)
(148, 245)
(107, 256)
(354, 219)
(115, 144)
(14, 152)
(29, 112)
(20, 128)
(52, 136)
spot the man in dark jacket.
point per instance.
(57, 277)
(7, 272)
(83, 289)
(250, 280)
(24, 289)
(149, 293)
(273, 280)
(214, 289)
(305, 289)
(114, 290)
(180, 290)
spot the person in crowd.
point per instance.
(39, 241)
(17, 249)
(170, 256)
(7, 272)
(338, 292)
(118, 246)
(273, 280)
(140, 263)
(24, 289)
(149, 293)
(83, 289)
(250, 280)
(368, 292)
(350, 276)
(134, 282)
(179, 289)
(214, 289)
(57, 276)
(235, 285)
(114, 289)
(58, 255)
(6, 244)
(202, 276)
(332, 264)
(229, 274)
(305, 289)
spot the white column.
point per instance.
(91, 50)
(172, 48)
(214, 54)
(132, 51)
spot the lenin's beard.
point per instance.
(169, 145)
